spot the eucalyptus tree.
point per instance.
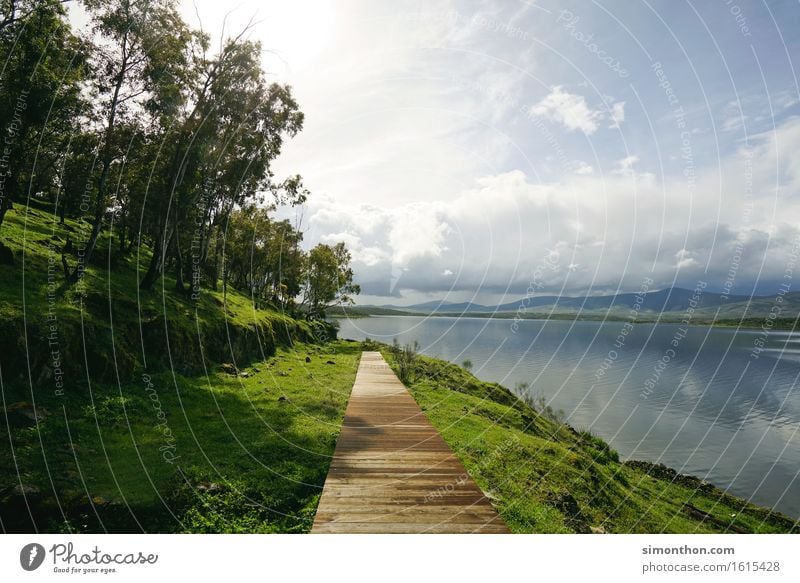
(13, 12)
(222, 156)
(42, 68)
(328, 279)
(140, 56)
(262, 257)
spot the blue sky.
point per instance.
(469, 149)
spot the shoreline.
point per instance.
(478, 419)
(780, 324)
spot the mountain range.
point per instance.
(674, 301)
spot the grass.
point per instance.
(546, 477)
(176, 453)
(165, 415)
(222, 453)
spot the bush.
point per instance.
(539, 404)
(604, 451)
(370, 345)
(405, 357)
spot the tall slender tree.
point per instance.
(141, 59)
(42, 68)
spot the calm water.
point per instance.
(711, 410)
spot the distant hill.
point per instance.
(363, 311)
(672, 301)
(668, 300)
(439, 306)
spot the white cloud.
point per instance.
(785, 99)
(625, 166)
(415, 232)
(617, 114)
(420, 152)
(568, 109)
(606, 230)
(572, 111)
(685, 258)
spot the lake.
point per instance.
(716, 403)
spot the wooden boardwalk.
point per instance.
(392, 472)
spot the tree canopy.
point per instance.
(147, 136)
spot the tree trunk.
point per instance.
(99, 203)
(5, 206)
(7, 200)
(180, 286)
(99, 213)
(62, 210)
(156, 266)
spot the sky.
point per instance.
(487, 150)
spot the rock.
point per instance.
(491, 496)
(597, 530)
(26, 490)
(24, 414)
(228, 368)
(6, 255)
(244, 374)
(256, 369)
(308, 359)
(566, 503)
(86, 506)
(210, 487)
(330, 362)
(282, 373)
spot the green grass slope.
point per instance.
(125, 411)
(546, 477)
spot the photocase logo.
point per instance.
(31, 556)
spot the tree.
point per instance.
(13, 12)
(137, 130)
(328, 279)
(43, 68)
(141, 64)
(262, 257)
(222, 157)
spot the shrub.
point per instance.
(370, 345)
(405, 357)
(539, 403)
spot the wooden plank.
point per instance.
(406, 528)
(392, 472)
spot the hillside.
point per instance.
(131, 411)
(545, 476)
